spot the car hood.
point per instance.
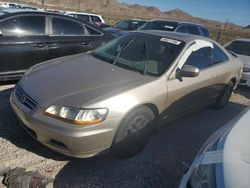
(78, 80)
(245, 59)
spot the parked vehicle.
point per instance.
(86, 17)
(124, 26)
(223, 161)
(83, 104)
(241, 47)
(182, 27)
(17, 6)
(100, 24)
(30, 37)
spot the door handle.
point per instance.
(40, 45)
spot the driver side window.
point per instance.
(200, 58)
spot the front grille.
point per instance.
(25, 99)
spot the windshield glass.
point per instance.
(159, 25)
(129, 25)
(147, 54)
(239, 47)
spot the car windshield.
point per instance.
(159, 25)
(147, 54)
(129, 25)
(239, 47)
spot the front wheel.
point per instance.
(223, 99)
(134, 132)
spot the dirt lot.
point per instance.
(159, 165)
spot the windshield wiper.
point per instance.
(119, 51)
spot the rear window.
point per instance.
(66, 27)
(159, 25)
(129, 25)
(239, 47)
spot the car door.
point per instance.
(23, 42)
(222, 67)
(69, 37)
(187, 93)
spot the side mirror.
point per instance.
(187, 71)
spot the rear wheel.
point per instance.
(223, 99)
(134, 132)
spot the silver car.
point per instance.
(242, 48)
(224, 160)
(116, 96)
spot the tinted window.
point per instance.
(200, 58)
(23, 25)
(92, 31)
(218, 55)
(204, 31)
(159, 25)
(129, 24)
(82, 17)
(182, 29)
(145, 54)
(193, 30)
(239, 47)
(66, 27)
(95, 19)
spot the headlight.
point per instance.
(77, 116)
(246, 69)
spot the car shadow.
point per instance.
(11, 130)
(160, 164)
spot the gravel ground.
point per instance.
(159, 165)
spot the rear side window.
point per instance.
(82, 17)
(159, 25)
(218, 56)
(66, 27)
(200, 58)
(23, 26)
(95, 19)
(193, 30)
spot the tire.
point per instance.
(134, 132)
(224, 97)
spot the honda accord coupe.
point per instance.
(116, 96)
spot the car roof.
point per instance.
(177, 22)
(13, 10)
(243, 40)
(83, 13)
(185, 37)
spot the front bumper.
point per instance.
(245, 79)
(80, 142)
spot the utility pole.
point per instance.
(224, 29)
(43, 4)
(79, 5)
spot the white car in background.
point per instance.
(241, 47)
(87, 17)
(224, 160)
